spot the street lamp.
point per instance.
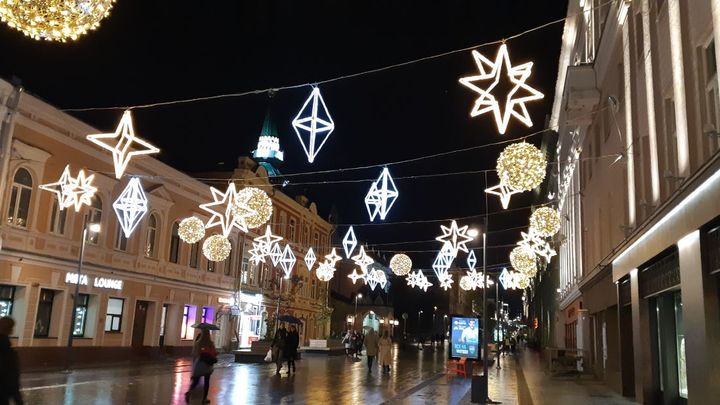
(419, 313)
(433, 325)
(358, 296)
(473, 232)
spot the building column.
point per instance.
(630, 162)
(700, 323)
(678, 75)
(582, 330)
(650, 100)
(642, 353)
(715, 7)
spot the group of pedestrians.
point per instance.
(285, 348)
(375, 346)
(353, 342)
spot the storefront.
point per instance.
(251, 319)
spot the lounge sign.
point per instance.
(99, 282)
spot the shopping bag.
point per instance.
(269, 356)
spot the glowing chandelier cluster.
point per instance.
(521, 166)
(216, 248)
(72, 191)
(381, 196)
(191, 230)
(523, 259)
(257, 201)
(313, 124)
(545, 222)
(266, 245)
(131, 206)
(54, 20)
(401, 264)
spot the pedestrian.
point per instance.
(359, 337)
(204, 356)
(347, 341)
(291, 347)
(385, 351)
(278, 347)
(9, 365)
(371, 347)
(506, 346)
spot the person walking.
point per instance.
(278, 347)
(385, 351)
(371, 347)
(347, 341)
(291, 347)
(204, 356)
(9, 365)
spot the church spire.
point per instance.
(268, 147)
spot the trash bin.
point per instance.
(478, 392)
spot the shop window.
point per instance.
(57, 218)
(208, 315)
(194, 255)
(80, 315)
(151, 237)
(174, 244)
(7, 298)
(121, 241)
(44, 313)
(186, 330)
(113, 319)
(95, 215)
(20, 198)
(680, 342)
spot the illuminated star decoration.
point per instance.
(546, 251)
(266, 241)
(382, 196)
(446, 282)
(354, 276)
(349, 242)
(131, 206)
(226, 211)
(325, 271)
(504, 193)
(363, 260)
(333, 257)
(287, 261)
(471, 260)
(419, 280)
(457, 237)
(257, 254)
(493, 72)
(313, 124)
(310, 259)
(72, 191)
(123, 144)
(531, 241)
(477, 278)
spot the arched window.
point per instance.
(228, 261)
(57, 218)
(194, 255)
(20, 198)
(151, 237)
(174, 244)
(291, 230)
(316, 242)
(95, 215)
(121, 241)
(306, 236)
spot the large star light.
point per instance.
(71, 191)
(313, 124)
(446, 282)
(257, 254)
(531, 240)
(355, 276)
(382, 196)
(504, 192)
(546, 251)
(310, 259)
(349, 242)
(226, 211)
(491, 72)
(363, 260)
(123, 144)
(457, 237)
(267, 240)
(419, 280)
(333, 257)
(131, 206)
(287, 261)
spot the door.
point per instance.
(138, 336)
(163, 318)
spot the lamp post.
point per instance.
(358, 296)
(485, 314)
(404, 317)
(433, 324)
(444, 327)
(87, 227)
(419, 313)
(497, 323)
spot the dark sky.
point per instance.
(149, 51)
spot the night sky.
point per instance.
(149, 51)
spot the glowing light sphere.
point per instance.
(523, 281)
(191, 230)
(521, 166)
(523, 259)
(400, 264)
(259, 202)
(54, 20)
(216, 248)
(545, 221)
(467, 283)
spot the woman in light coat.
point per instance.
(385, 351)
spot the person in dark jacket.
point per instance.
(278, 347)
(9, 365)
(291, 347)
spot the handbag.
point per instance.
(269, 356)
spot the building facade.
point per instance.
(637, 109)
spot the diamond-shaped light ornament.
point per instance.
(506, 280)
(313, 124)
(275, 254)
(287, 261)
(443, 260)
(310, 259)
(382, 196)
(471, 260)
(131, 206)
(349, 242)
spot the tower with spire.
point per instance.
(268, 147)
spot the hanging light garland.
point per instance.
(467, 283)
(522, 281)
(191, 230)
(258, 201)
(545, 221)
(521, 166)
(325, 271)
(522, 259)
(401, 264)
(216, 248)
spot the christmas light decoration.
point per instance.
(354, 276)
(457, 237)
(521, 166)
(257, 254)
(376, 277)
(131, 206)
(471, 260)
(466, 283)
(382, 196)
(123, 144)
(349, 242)
(443, 260)
(523, 282)
(266, 241)
(446, 282)
(71, 191)
(287, 261)
(545, 221)
(54, 20)
(507, 280)
(419, 280)
(276, 253)
(191, 230)
(313, 124)
(310, 259)
(477, 278)
(333, 257)
(227, 212)
(216, 248)
(363, 260)
(400, 264)
(325, 271)
(491, 72)
(504, 192)
(522, 259)
(531, 240)
(546, 251)
(258, 201)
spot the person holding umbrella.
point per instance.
(204, 357)
(291, 347)
(278, 347)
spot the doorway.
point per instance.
(163, 318)
(138, 335)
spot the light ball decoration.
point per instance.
(191, 230)
(523, 259)
(216, 248)
(401, 264)
(545, 221)
(54, 20)
(259, 202)
(523, 281)
(467, 283)
(521, 166)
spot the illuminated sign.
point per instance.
(223, 300)
(99, 282)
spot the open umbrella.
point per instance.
(205, 325)
(289, 319)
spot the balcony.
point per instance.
(581, 94)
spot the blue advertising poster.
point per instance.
(465, 337)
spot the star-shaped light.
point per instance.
(123, 144)
(457, 237)
(71, 191)
(313, 124)
(363, 260)
(531, 240)
(226, 211)
(354, 276)
(382, 196)
(504, 192)
(325, 271)
(546, 251)
(287, 261)
(83, 190)
(310, 259)
(349, 242)
(266, 241)
(131, 206)
(491, 72)
(62, 188)
(419, 280)
(257, 254)
(446, 282)
(333, 257)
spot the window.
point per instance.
(7, 297)
(80, 315)
(113, 320)
(95, 214)
(186, 329)
(314, 289)
(306, 236)
(121, 241)
(57, 218)
(291, 230)
(712, 109)
(316, 242)
(151, 237)
(208, 315)
(174, 244)
(194, 250)
(283, 222)
(228, 261)
(211, 266)
(244, 271)
(44, 312)
(20, 198)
